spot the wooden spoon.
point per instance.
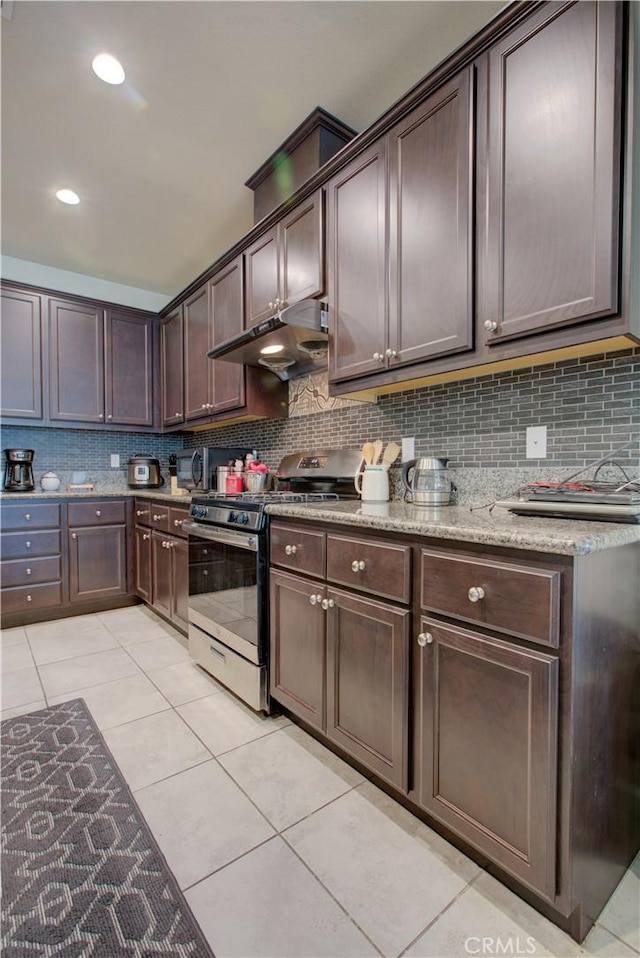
(390, 454)
(377, 449)
(367, 453)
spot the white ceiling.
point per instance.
(212, 89)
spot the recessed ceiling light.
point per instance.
(68, 196)
(269, 350)
(108, 68)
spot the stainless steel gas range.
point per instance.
(229, 568)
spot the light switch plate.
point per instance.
(536, 442)
(115, 460)
(408, 448)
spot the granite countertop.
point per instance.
(467, 524)
(98, 493)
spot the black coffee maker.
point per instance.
(18, 470)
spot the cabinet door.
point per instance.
(356, 265)
(172, 362)
(302, 251)
(180, 583)
(97, 562)
(368, 683)
(76, 362)
(487, 746)
(262, 277)
(198, 338)
(297, 665)
(129, 369)
(20, 354)
(143, 563)
(227, 312)
(430, 227)
(161, 591)
(550, 253)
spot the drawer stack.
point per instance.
(31, 567)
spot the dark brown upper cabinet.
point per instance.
(172, 365)
(403, 209)
(198, 370)
(227, 311)
(548, 228)
(100, 365)
(21, 355)
(76, 361)
(286, 264)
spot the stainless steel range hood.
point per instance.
(290, 343)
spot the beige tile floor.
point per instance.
(280, 847)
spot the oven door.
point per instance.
(228, 588)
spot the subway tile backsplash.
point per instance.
(590, 406)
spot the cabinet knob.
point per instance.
(27, 517)
(204, 405)
(490, 325)
(139, 512)
(109, 416)
(29, 598)
(27, 544)
(475, 593)
(160, 516)
(177, 522)
(178, 415)
(425, 638)
(378, 357)
(101, 416)
(145, 535)
(290, 550)
(315, 599)
(391, 353)
(27, 571)
(327, 604)
(98, 512)
(74, 535)
(357, 565)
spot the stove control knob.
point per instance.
(199, 512)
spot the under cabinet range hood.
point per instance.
(291, 343)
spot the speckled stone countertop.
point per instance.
(98, 494)
(496, 528)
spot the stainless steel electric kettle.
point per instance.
(428, 483)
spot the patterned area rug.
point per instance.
(82, 874)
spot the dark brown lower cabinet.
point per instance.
(487, 720)
(341, 662)
(298, 627)
(143, 583)
(97, 562)
(368, 682)
(170, 584)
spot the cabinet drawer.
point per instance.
(176, 518)
(26, 571)
(96, 513)
(382, 568)
(24, 598)
(518, 599)
(159, 516)
(18, 545)
(299, 549)
(43, 515)
(142, 513)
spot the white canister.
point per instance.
(373, 484)
(50, 482)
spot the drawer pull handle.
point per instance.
(74, 535)
(357, 565)
(29, 598)
(290, 550)
(215, 651)
(315, 599)
(425, 638)
(27, 544)
(27, 571)
(27, 517)
(98, 513)
(327, 604)
(475, 593)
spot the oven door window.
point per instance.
(223, 592)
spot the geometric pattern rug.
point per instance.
(82, 874)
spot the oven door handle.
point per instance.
(232, 537)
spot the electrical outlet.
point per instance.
(115, 460)
(536, 442)
(408, 448)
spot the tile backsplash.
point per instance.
(590, 406)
